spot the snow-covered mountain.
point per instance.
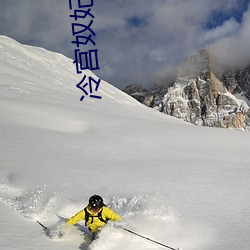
(182, 185)
(201, 96)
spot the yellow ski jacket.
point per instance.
(94, 223)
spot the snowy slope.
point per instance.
(179, 184)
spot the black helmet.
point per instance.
(96, 202)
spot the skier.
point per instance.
(95, 214)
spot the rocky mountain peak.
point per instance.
(196, 64)
(202, 97)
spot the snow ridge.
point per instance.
(145, 214)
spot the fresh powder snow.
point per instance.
(182, 185)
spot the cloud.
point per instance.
(170, 31)
(233, 49)
(42, 23)
(228, 28)
(138, 41)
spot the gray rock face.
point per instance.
(237, 81)
(203, 98)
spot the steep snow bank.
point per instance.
(182, 185)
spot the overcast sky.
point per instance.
(138, 41)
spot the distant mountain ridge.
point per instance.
(202, 96)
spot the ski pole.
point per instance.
(146, 238)
(45, 228)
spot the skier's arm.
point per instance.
(110, 214)
(77, 217)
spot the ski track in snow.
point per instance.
(43, 117)
(145, 214)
